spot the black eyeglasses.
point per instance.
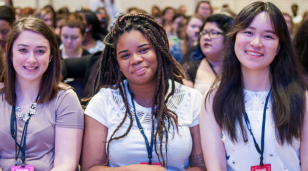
(212, 34)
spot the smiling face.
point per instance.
(257, 45)
(137, 58)
(193, 28)
(71, 39)
(31, 55)
(212, 47)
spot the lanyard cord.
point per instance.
(212, 68)
(149, 147)
(260, 151)
(13, 126)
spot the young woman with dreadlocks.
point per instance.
(142, 116)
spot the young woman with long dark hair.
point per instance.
(255, 116)
(141, 113)
(41, 123)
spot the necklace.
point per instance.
(26, 116)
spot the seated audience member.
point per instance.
(296, 18)
(54, 16)
(92, 40)
(182, 9)
(7, 17)
(289, 23)
(59, 15)
(46, 16)
(305, 16)
(63, 10)
(255, 115)
(156, 13)
(141, 112)
(192, 30)
(72, 30)
(41, 119)
(225, 10)
(200, 74)
(27, 11)
(204, 8)
(112, 7)
(103, 18)
(167, 16)
(300, 45)
(176, 22)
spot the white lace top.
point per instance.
(107, 107)
(99, 46)
(241, 156)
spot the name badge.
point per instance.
(266, 167)
(156, 164)
(20, 168)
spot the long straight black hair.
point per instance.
(288, 86)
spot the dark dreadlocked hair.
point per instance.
(109, 74)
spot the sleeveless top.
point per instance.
(241, 156)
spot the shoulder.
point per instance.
(66, 90)
(63, 86)
(103, 95)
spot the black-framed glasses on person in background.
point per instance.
(212, 34)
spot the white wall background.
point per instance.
(236, 5)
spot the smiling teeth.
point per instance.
(30, 68)
(255, 54)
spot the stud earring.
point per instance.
(87, 29)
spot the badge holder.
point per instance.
(261, 167)
(266, 167)
(155, 164)
(20, 168)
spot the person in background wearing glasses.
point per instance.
(201, 73)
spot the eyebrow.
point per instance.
(143, 45)
(28, 46)
(137, 47)
(270, 31)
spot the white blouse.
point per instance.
(241, 156)
(107, 107)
